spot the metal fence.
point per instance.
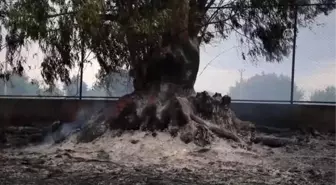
(297, 56)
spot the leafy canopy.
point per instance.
(121, 33)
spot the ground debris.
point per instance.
(167, 161)
(272, 141)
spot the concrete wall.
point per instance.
(42, 111)
(321, 117)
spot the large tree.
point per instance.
(158, 41)
(136, 34)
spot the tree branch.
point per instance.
(209, 5)
(105, 16)
(209, 22)
(201, 8)
(278, 5)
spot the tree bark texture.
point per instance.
(177, 58)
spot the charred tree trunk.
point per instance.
(177, 63)
(176, 60)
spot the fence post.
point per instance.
(5, 88)
(293, 53)
(81, 69)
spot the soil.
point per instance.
(140, 158)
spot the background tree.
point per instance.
(73, 88)
(51, 91)
(326, 95)
(115, 84)
(19, 85)
(265, 87)
(157, 40)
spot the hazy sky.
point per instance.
(315, 61)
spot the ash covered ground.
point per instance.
(139, 158)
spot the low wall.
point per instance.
(320, 117)
(42, 111)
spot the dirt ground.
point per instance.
(140, 159)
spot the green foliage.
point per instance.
(326, 95)
(122, 34)
(265, 87)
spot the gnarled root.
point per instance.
(197, 119)
(272, 141)
(220, 132)
(177, 115)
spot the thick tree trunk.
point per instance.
(177, 60)
(177, 63)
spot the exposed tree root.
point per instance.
(179, 116)
(220, 132)
(199, 119)
(272, 141)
